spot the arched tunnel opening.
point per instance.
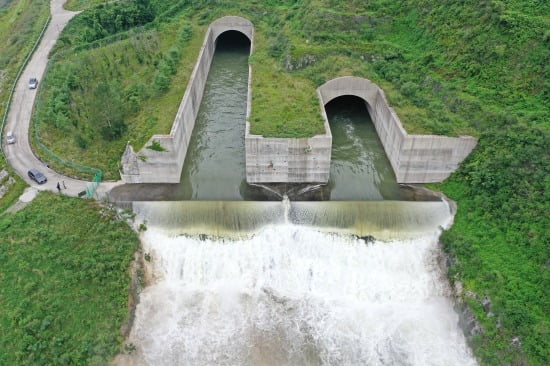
(360, 168)
(232, 40)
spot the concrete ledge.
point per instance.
(414, 158)
(151, 166)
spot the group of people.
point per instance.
(59, 186)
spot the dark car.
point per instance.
(37, 176)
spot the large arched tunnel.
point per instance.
(232, 39)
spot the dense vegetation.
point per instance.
(126, 90)
(65, 282)
(21, 21)
(468, 67)
(500, 243)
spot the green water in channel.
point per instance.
(214, 168)
(360, 169)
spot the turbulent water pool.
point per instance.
(294, 292)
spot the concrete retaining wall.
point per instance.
(150, 166)
(287, 160)
(414, 158)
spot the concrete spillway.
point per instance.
(414, 158)
(308, 283)
(286, 284)
(382, 219)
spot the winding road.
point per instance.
(20, 155)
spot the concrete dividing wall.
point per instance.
(287, 160)
(414, 158)
(150, 166)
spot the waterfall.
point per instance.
(299, 286)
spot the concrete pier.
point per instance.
(288, 160)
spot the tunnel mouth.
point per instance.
(349, 103)
(360, 168)
(232, 40)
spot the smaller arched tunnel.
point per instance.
(359, 167)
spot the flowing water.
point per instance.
(234, 282)
(214, 167)
(282, 291)
(360, 169)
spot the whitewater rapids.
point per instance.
(291, 295)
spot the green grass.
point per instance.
(65, 282)
(15, 189)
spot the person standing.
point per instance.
(58, 188)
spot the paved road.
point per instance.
(20, 155)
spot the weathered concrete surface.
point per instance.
(288, 160)
(414, 158)
(150, 166)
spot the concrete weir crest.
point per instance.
(152, 166)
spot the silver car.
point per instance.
(10, 138)
(33, 83)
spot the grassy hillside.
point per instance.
(500, 243)
(21, 21)
(65, 280)
(469, 67)
(431, 74)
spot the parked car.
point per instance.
(37, 176)
(33, 83)
(10, 137)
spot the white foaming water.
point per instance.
(290, 295)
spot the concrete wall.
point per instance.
(149, 166)
(287, 160)
(414, 158)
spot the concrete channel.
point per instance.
(414, 158)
